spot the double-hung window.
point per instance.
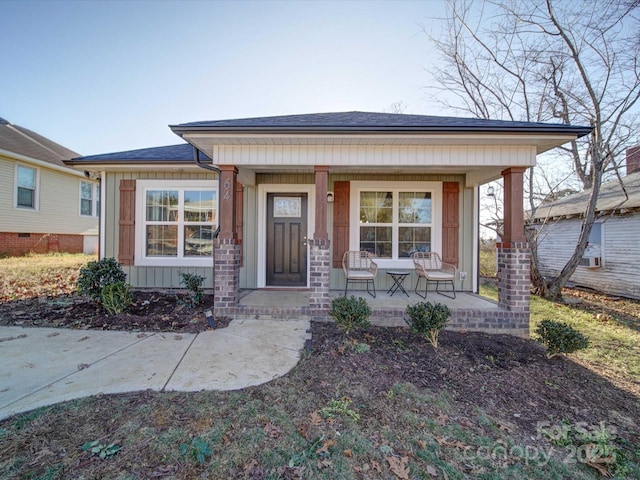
(176, 221)
(89, 199)
(392, 220)
(26, 187)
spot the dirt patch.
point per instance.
(150, 312)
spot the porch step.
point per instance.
(271, 313)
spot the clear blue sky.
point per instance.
(107, 76)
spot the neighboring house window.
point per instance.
(86, 198)
(26, 187)
(394, 220)
(594, 247)
(176, 222)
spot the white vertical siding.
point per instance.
(389, 155)
(620, 254)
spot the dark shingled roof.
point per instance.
(22, 141)
(171, 153)
(376, 122)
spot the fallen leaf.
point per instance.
(376, 466)
(324, 463)
(324, 449)
(82, 366)
(250, 466)
(505, 427)
(45, 452)
(271, 430)
(600, 468)
(432, 471)
(421, 444)
(303, 430)
(442, 419)
(399, 467)
(445, 442)
(348, 453)
(316, 419)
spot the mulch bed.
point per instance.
(508, 377)
(150, 312)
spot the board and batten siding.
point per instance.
(465, 224)
(138, 276)
(620, 254)
(58, 203)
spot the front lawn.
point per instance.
(381, 404)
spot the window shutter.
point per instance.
(126, 222)
(340, 221)
(450, 222)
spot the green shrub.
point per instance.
(560, 338)
(428, 319)
(96, 275)
(350, 312)
(194, 285)
(116, 297)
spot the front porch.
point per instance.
(469, 311)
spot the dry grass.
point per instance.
(39, 275)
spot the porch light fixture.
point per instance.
(329, 197)
(490, 191)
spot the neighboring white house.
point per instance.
(610, 263)
(45, 206)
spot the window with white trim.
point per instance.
(26, 187)
(89, 199)
(393, 220)
(175, 223)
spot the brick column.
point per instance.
(226, 257)
(226, 250)
(320, 264)
(514, 255)
(514, 280)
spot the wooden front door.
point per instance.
(287, 239)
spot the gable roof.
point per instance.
(611, 198)
(22, 141)
(349, 122)
(183, 152)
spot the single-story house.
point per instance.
(610, 261)
(280, 199)
(45, 206)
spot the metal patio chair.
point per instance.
(429, 266)
(359, 267)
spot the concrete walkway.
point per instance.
(43, 366)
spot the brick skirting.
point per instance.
(16, 244)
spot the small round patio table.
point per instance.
(398, 277)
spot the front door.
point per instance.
(287, 239)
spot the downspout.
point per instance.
(196, 156)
